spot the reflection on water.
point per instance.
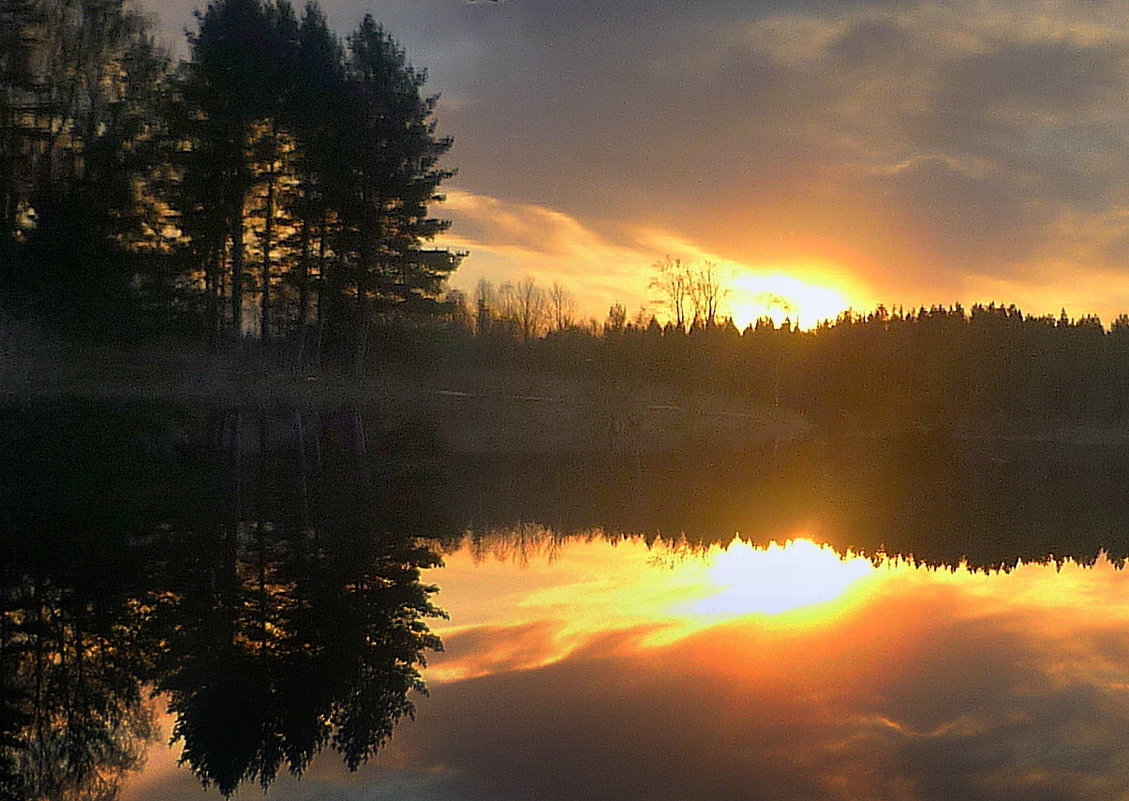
(779, 578)
(926, 685)
(986, 504)
(258, 573)
(269, 575)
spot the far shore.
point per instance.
(490, 410)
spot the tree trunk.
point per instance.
(304, 278)
(237, 272)
(237, 254)
(268, 241)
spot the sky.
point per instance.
(592, 672)
(823, 154)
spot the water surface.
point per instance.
(274, 590)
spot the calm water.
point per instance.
(274, 577)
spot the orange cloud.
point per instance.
(508, 241)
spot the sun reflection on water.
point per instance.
(523, 609)
(778, 578)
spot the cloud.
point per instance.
(509, 241)
(925, 148)
(912, 144)
(483, 650)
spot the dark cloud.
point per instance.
(1040, 81)
(871, 43)
(958, 213)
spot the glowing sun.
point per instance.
(780, 296)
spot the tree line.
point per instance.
(276, 182)
(691, 295)
(934, 367)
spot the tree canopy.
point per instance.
(277, 178)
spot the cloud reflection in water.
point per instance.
(591, 677)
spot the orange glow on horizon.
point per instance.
(741, 640)
(522, 609)
(535, 608)
(781, 295)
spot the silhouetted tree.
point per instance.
(705, 292)
(526, 307)
(392, 151)
(318, 111)
(79, 81)
(673, 283)
(617, 319)
(562, 307)
(230, 89)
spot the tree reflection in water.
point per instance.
(234, 567)
(260, 569)
(74, 715)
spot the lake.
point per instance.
(296, 592)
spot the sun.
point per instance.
(778, 578)
(780, 295)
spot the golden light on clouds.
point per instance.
(509, 241)
(572, 652)
(521, 609)
(925, 676)
(964, 152)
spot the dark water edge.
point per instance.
(936, 499)
(939, 508)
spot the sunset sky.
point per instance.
(823, 154)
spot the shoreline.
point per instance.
(496, 410)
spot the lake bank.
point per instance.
(495, 409)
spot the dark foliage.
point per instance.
(274, 179)
(272, 598)
(943, 369)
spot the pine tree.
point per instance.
(393, 153)
(229, 86)
(317, 111)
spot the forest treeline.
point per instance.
(275, 183)
(933, 367)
